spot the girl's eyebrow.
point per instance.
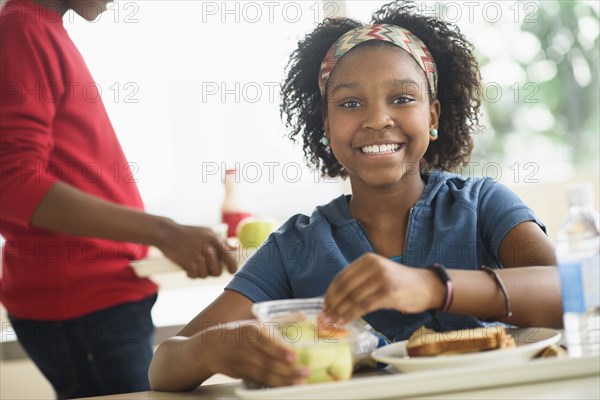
(402, 82)
(391, 82)
(349, 85)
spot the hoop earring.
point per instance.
(325, 141)
(433, 133)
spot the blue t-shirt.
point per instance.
(458, 222)
(397, 259)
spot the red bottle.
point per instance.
(235, 206)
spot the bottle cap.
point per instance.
(231, 175)
(580, 194)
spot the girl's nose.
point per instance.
(378, 118)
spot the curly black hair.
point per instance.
(459, 87)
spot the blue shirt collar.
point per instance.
(337, 212)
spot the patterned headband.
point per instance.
(397, 35)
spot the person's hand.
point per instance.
(199, 251)
(248, 350)
(374, 282)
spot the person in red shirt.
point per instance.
(71, 228)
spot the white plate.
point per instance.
(529, 342)
(157, 263)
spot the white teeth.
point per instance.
(384, 148)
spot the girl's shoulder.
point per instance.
(448, 186)
(322, 221)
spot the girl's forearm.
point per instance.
(68, 210)
(534, 294)
(180, 364)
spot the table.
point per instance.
(582, 388)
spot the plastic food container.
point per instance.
(330, 352)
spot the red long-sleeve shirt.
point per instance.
(54, 127)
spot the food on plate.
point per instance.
(331, 331)
(426, 342)
(552, 351)
(325, 350)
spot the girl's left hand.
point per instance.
(374, 282)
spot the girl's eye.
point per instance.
(350, 104)
(402, 100)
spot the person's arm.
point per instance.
(374, 282)
(221, 340)
(66, 209)
(530, 277)
(534, 294)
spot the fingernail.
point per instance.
(290, 357)
(304, 371)
(298, 382)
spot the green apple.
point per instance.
(326, 361)
(253, 232)
(326, 358)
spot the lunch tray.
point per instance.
(399, 385)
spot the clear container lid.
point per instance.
(276, 310)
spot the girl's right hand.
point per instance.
(248, 350)
(374, 282)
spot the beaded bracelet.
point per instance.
(494, 274)
(440, 271)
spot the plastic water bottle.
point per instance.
(235, 205)
(578, 247)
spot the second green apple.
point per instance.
(252, 232)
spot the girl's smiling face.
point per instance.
(378, 114)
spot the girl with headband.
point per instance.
(392, 106)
